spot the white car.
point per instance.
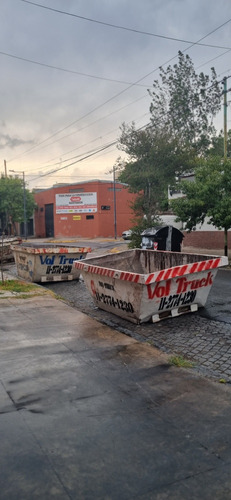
(126, 235)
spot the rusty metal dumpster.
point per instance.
(49, 262)
(142, 285)
(6, 253)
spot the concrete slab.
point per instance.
(89, 413)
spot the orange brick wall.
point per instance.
(103, 223)
(206, 239)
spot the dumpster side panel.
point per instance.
(115, 296)
(138, 303)
(42, 264)
(128, 260)
(141, 297)
(151, 261)
(55, 267)
(25, 264)
(177, 294)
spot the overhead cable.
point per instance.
(119, 93)
(125, 28)
(38, 63)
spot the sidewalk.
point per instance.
(89, 413)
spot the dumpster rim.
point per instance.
(55, 250)
(161, 275)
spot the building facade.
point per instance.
(85, 209)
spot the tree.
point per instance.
(182, 110)
(217, 144)
(12, 202)
(186, 103)
(209, 195)
(154, 158)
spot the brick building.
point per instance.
(83, 209)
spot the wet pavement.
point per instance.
(87, 412)
(203, 337)
(204, 341)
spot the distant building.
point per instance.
(83, 209)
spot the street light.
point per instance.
(24, 200)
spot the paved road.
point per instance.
(218, 306)
(203, 337)
(88, 413)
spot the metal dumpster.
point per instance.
(162, 238)
(6, 253)
(142, 285)
(49, 262)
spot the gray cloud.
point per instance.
(37, 101)
(12, 142)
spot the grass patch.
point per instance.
(223, 381)
(16, 286)
(60, 297)
(150, 342)
(22, 289)
(180, 362)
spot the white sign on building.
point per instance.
(76, 203)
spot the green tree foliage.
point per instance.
(12, 202)
(186, 103)
(209, 195)
(217, 145)
(154, 158)
(182, 110)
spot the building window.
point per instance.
(76, 190)
(89, 217)
(112, 189)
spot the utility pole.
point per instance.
(24, 206)
(5, 168)
(225, 92)
(114, 191)
(225, 115)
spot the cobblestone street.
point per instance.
(205, 342)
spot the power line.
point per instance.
(87, 155)
(81, 154)
(213, 59)
(77, 156)
(50, 66)
(78, 161)
(72, 133)
(96, 121)
(94, 140)
(119, 93)
(125, 28)
(225, 72)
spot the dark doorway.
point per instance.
(30, 227)
(49, 220)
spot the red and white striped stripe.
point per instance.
(173, 272)
(157, 276)
(51, 250)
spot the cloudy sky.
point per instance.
(71, 74)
